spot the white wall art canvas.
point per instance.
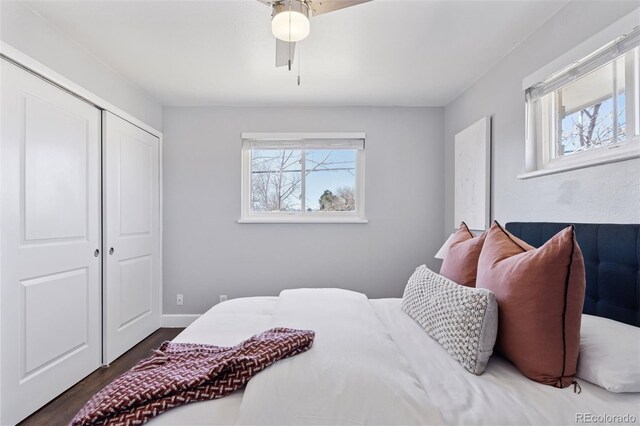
(473, 175)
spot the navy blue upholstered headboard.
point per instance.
(612, 258)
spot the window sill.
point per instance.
(303, 220)
(575, 165)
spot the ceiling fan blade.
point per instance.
(266, 2)
(325, 6)
(282, 53)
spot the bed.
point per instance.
(373, 364)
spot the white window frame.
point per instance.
(248, 216)
(540, 133)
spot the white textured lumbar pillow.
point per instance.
(464, 320)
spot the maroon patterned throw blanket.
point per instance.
(179, 373)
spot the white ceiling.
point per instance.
(385, 52)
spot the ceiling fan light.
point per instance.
(290, 25)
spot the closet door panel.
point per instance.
(137, 178)
(136, 288)
(132, 228)
(55, 185)
(43, 318)
(50, 292)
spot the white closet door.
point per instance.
(50, 252)
(132, 235)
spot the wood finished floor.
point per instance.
(61, 410)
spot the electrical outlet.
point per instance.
(180, 300)
(223, 298)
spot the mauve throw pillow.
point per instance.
(540, 293)
(460, 264)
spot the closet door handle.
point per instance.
(96, 253)
(111, 250)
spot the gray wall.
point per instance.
(206, 253)
(28, 32)
(608, 193)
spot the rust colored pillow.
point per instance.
(540, 293)
(461, 262)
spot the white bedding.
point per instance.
(501, 395)
(430, 382)
(226, 324)
(353, 375)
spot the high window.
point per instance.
(303, 177)
(587, 113)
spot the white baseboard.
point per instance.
(177, 320)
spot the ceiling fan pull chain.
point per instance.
(299, 54)
(289, 35)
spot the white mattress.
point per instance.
(501, 395)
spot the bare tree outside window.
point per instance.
(278, 184)
(275, 180)
(592, 127)
(592, 110)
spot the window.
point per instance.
(303, 177)
(587, 113)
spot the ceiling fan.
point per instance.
(290, 22)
